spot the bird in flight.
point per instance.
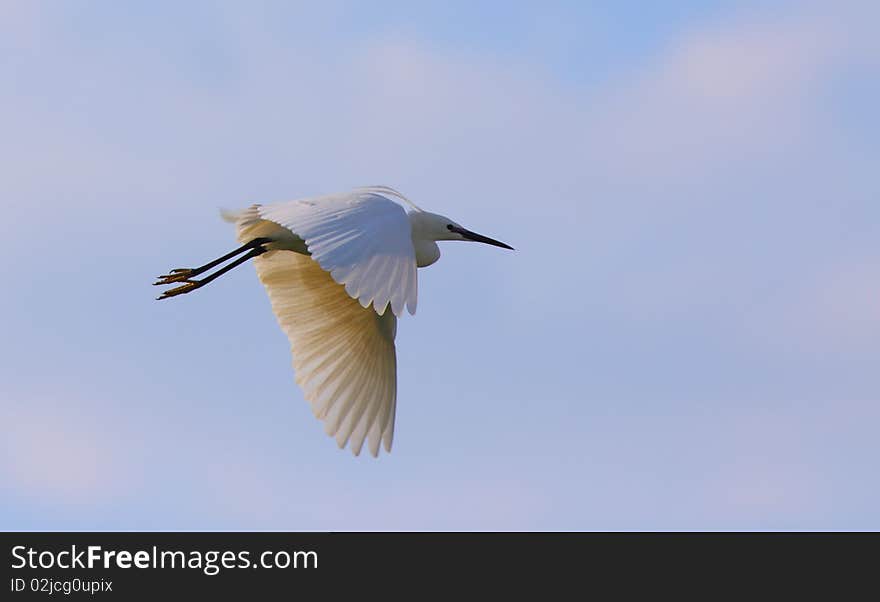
(339, 270)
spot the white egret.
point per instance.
(333, 266)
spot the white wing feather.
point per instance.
(362, 238)
(343, 354)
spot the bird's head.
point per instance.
(431, 226)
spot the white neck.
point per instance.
(424, 236)
(427, 251)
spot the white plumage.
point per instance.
(331, 266)
(362, 238)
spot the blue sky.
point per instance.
(687, 336)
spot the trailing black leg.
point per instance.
(256, 249)
(184, 274)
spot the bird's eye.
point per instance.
(449, 226)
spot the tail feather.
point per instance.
(249, 225)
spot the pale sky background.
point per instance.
(687, 337)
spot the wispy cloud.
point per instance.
(53, 452)
(696, 270)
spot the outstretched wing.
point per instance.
(343, 354)
(362, 238)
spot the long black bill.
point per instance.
(480, 238)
